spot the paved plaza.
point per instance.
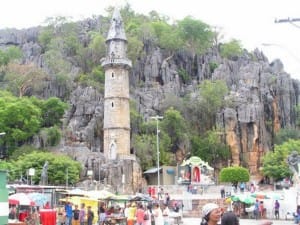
(196, 221)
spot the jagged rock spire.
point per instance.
(116, 30)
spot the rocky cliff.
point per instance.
(263, 97)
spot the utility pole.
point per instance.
(157, 118)
(289, 20)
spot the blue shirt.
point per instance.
(68, 209)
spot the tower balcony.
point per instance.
(116, 62)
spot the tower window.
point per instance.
(112, 104)
(112, 75)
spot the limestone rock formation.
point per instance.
(262, 93)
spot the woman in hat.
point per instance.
(211, 214)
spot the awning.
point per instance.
(152, 170)
(196, 161)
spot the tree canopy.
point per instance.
(275, 163)
(234, 174)
(36, 159)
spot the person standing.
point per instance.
(75, 216)
(90, 216)
(276, 209)
(12, 213)
(252, 188)
(69, 213)
(148, 213)
(131, 214)
(82, 214)
(160, 193)
(211, 214)
(101, 214)
(61, 216)
(256, 209)
(166, 214)
(157, 213)
(242, 187)
(261, 210)
(222, 191)
(167, 199)
(140, 215)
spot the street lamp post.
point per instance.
(157, 150)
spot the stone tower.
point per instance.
(116, 125)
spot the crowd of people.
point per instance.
(133, 213)
(76, 216)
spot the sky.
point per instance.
(250, 21)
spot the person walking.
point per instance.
(211, 214)
(229, 218)
(82, 214)
(276, 209)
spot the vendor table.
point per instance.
(48, 216)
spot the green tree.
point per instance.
(136, 119)
(231, 49)
(167, 35)
(196, 35)
(210, 101)
(297, 109)
(52, 111)
(10, 54)
(20, 119)
(56, 168)
(50, 136)
(285, 134)
(14, 52)
(22, 79)
(175, 126)
(145, 146)
(210, 147)
(234, 175)
(275, 163)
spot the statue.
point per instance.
(293, 161)
(44, 174)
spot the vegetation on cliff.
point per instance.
(69, 56)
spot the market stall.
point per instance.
(48, 216)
